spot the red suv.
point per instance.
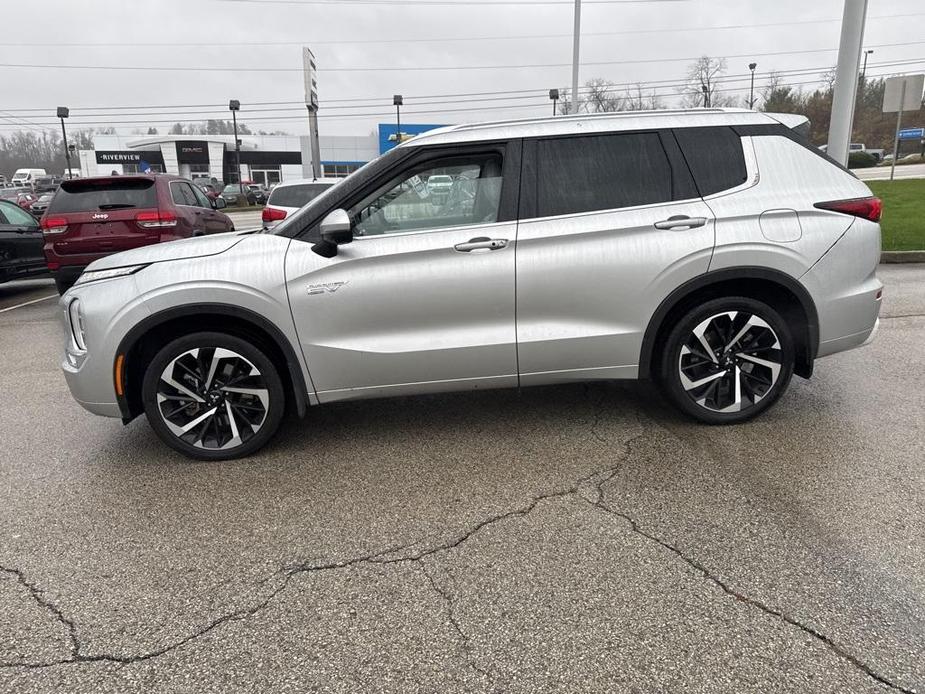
(90, 218)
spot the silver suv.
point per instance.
(713, 251)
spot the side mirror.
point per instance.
(219, 203)
(336, 228)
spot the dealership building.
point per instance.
(264, 158)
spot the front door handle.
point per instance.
(681, 222)
(482, 242)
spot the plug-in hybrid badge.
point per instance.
(327, 288)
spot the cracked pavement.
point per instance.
(575, 538)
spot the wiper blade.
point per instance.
(116, 206)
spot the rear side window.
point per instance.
(601, 172)
(87, 196)
(296, 195)
(714, 156)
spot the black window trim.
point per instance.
(747, 183)
(681, 178)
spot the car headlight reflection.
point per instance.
(96, 275)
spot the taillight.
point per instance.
(271, 214)
(865, 208)
(54, 225)
(155, 219)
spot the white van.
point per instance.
(26, 177)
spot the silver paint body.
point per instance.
(566, 298)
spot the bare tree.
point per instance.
(601, 97)
(635, 99)
(566, 104)
(701, 87)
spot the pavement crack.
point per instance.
(833, 646)
(451, 615)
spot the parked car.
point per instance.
(92, 218)
(695, 271)
(439, 185)
(256, 194)
(21, 244)
(26, 177)
(289, 196)
(19, 196)
(46, 184)
(232, 194)
(210, 191)
(41, 203)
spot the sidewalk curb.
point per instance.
(902, 257)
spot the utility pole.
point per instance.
(234, 106)
(751, 89)
(64, 112)
(864, 71)
(554, 97)
(846, 79)
(706, 96)
(575, 43)
(397, 101)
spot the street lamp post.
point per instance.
(706, 95)
(64, 112)
(864, 69)
(576, 39)
(554, 96)
(234, 106)
(397, 102)
(751, 89)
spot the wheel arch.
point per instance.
(141, 343)
(779, 290)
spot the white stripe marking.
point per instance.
(27, 303)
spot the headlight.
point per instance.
(75, 319)
(95, 275)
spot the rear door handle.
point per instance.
(681, 222)
(482, 242)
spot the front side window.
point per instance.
(601, 172)
(450, 192)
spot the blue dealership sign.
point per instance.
(912, 134)
(387, 138)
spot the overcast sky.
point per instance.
(213, 39)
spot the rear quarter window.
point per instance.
(715, 158)
(87, 196)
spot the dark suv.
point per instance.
(91, 218)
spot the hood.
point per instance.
(197, 247)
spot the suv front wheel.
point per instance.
(213, 396)
(727, 360)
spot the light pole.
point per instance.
(64, 112)
(846, 79)
(864, 70)
(397, 102)
(751, 89)
(554, 96)
(234, 106)
(706, 95)
(575, 41)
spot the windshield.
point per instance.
(297, 195)
(232, 188)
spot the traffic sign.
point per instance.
(912, 134)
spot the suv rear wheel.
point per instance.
(727, 360)
(213, 396)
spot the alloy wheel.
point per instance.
(730, 361)
(212, 398)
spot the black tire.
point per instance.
(730, 375)
(62, 284)
(251, 417)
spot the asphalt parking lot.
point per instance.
(560, 539)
